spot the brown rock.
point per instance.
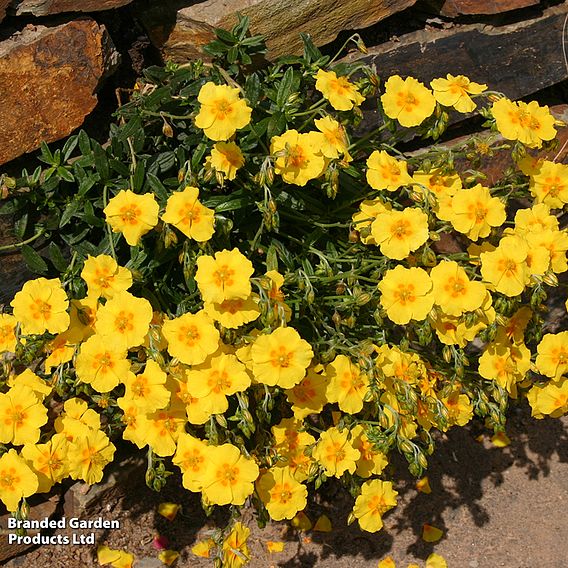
(48, 81)
(180, 35)
(47, 7)
(3, 6)
(454, 8)
(517, 59)
(44, 508)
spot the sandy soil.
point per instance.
(498, 507)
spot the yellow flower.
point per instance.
(77, 419)
(376, 498)
(431, 534)
(282, 494)
(165, 427)
(17, 480)
(213, 381)
(229, 476)
(455, 91)
(371, 462)
(528, 123)
(222, 111)
(323, 524)
(368, 212)
(309, 395)
(506, 364)
(454, 292)
(406, 294)
(224, 277)
(61, 349)
(398, 233)
(21, 416)
(203, 548)
(132, 215)
(435, 561)
(104, 277)
(191, 458)
(148, 389)
(281, 358)
(556, 242)
(88, 455)
(48, 461)
(83, 317)
(505, 267)
(550, 399)
(28, 378)
(335, 453)
(347, 384)
(535, 220)
(334, 139)
(135, 420)
(124, 320)
(460, 409)
(8, 333)
(474, 212)
(102, 363)
(549, 184)
(191, 337)
(168, 557)
(41, 305)
(235, 312)
(437, 181)
(298, 156)
(169, 510)
(552, 357)
(226, 157)
(274, 546)
(341, 94)
(116, 558)
(235, 549)
(407, 101)
(386, 172)
(195, 412)
(186, 213)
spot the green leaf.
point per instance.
(20, 225)
(101, 161)
(130, 129)
(285, 87)
(69, 146)
(242, 27)
(138, 177)
(65, 174)
(311, 52)
(33, 260)
(225, 36)
(56, 257)
(46, 155)
(276, 124)
(271, 258)
(70, 211)
(157, 187)
(84, 142)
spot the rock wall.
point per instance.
(55, 55)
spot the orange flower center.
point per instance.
(123, 321)
(296, 157)
(455, 287)
(104, 362)
(405, 294)
(400, 229)
(224, 276)
(129, 214)
(40, 309)
(9, 478)
(189, 334)
(228, 474)
(219, 380)
(222, 108)
(280, 357)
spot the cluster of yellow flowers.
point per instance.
(174, 380)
